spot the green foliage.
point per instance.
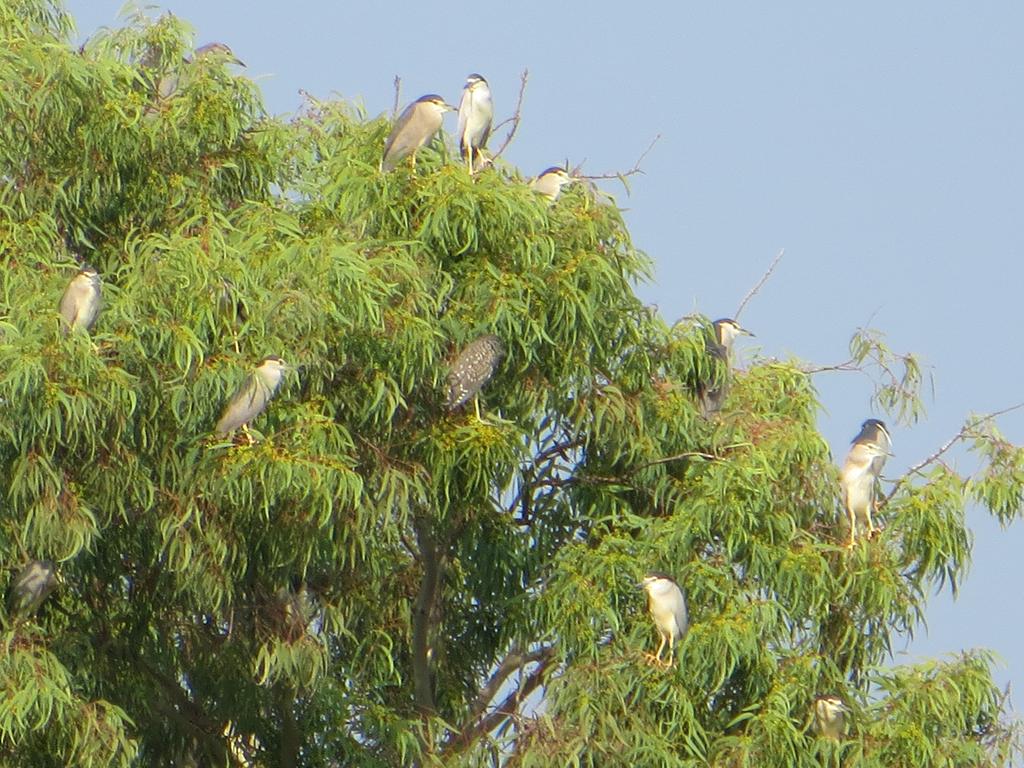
(372, 580)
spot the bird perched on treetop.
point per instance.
(171, 82)
(415, 127)
(80, 304)
(667, 604)
(31, 586)
(250, 400)
(830, 715)
(860, 474)
(476, 113)
(712, 394)
(218, 49)
(473, 368)
(551, 181)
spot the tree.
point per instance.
(373, 580)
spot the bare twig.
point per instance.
(677, 457)
(617, 174)
(848, 365)
(515, 659)
(965, 432)
(398, 97)
(422, 614)
(764, 279)
(516, 116)
(509, 706)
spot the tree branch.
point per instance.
(183, 710)
(424, 608)
(509, 706)
(620, 175)
(514, 659)
(847, 365)
(291, 736)
(764, 279)
(965, 432)
(516, 116)
(398, 96)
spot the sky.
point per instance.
(878, 144)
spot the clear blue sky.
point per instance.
(879, 144)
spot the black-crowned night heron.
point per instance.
(222, 50)
(830, 716)
(414, 128)
(250, 400)
(860, 474)
(551, 181)
(31, 586)
(476, 112)
(473, 368)
(80, 304)
(170, 83)
(229, 302)
(712, 394)
(667, 604)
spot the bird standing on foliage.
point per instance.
(80, 304)
(667, 604)
(252, 397)
(473, 368)
(170, 83)
(415, 127)
(31, 586)
(711, 395)
(860, 474)
(476, 112)
(551, 181)
(218, 49)
(830, 715)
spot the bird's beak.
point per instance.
(452, 108)
(236, 60)
(745, 332)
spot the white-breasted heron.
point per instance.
(667, 603)
(250, 400)
(476, 113)
(415, 127)
(860, 474)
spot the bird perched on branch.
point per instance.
(171, 83)
(476, 112)
(473, 368)
(860, 474)
(551, 181)
(31, 587)
(415, 127)
(250, 400)
(830, 715)
(80, 304)
(667, 604)
(711, 394)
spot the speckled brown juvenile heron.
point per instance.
(80, 304)
(250, 400)
(473, 368)
(415, 127)
(31, 587)
(860, 474)
(667, 604)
